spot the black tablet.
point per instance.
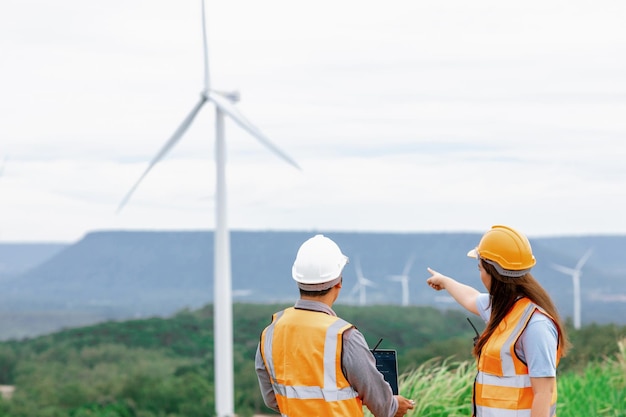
(387, 364)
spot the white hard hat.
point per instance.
(319, 260)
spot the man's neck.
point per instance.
(328, 298)
(323, 299)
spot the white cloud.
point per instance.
(404, 115)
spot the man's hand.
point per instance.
(403, 405)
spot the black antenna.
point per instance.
(476, 331)
(377, 344)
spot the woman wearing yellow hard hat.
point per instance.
(524, 338)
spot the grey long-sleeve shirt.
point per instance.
(358, 365)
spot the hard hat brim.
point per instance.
(473, 253)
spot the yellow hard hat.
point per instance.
(507, 249)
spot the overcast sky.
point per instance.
(404, 115)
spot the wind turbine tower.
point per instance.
(222, 287)
(575, 273)
(404, 280)
(361, 284)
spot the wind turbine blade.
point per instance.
(408, 265)
(355, 289)
(367, 282)
(165, 149)
(564, 269)
(584, 259)
(225, 106)
(205, 45)
(359, 271)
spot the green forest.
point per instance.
(163, 367)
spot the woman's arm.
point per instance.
(463, 294)
(543, 389)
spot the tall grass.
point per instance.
(440, 389)
(444, 388)
(600, 390)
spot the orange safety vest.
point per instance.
(502, 387)
(301, 351)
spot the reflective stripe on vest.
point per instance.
(500, 412)
(330, 394)
(502, 387)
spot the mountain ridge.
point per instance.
(114, 275)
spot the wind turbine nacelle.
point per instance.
(232, 96)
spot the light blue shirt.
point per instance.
(538, 343)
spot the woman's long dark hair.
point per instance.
(505, 291)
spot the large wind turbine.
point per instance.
(222, 293)
(404, 280)
(576, 273)
(361, 284)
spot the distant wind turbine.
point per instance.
(404, 280)
(576, 273)
(242, 293)
(222, 293)
(361, 284)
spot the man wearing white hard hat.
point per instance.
(312, 363)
